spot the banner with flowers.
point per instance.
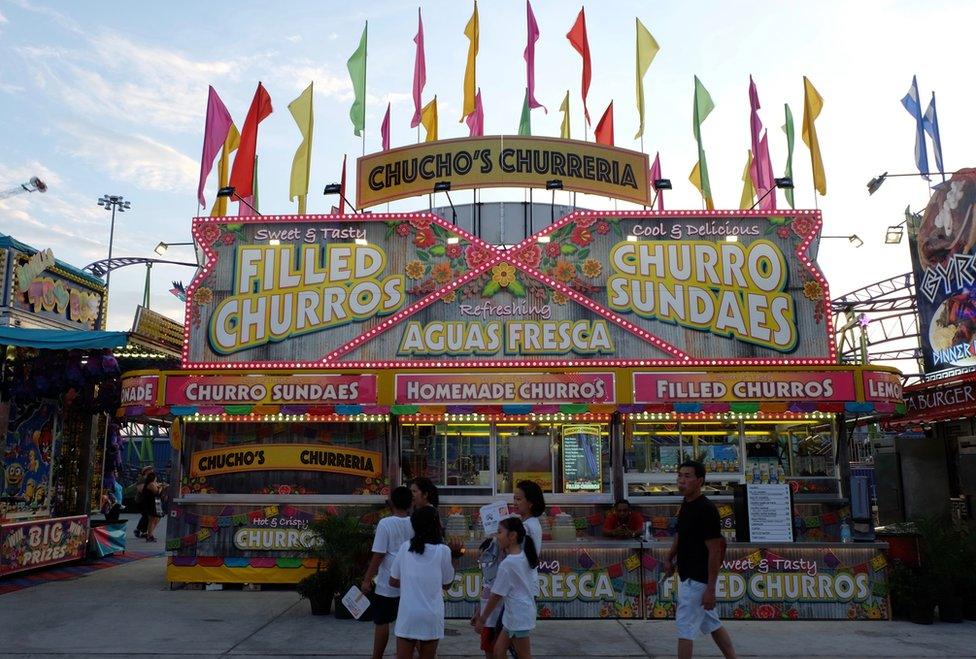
(384, 290)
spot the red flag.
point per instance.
(655, 175)
(604, 128)
(242, 174)
(342, 188)
(577, 37)
(385, 129)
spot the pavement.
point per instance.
(129, 611)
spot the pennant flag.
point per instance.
(428, 117)
(788, 129)
(646, 50)
(525, 121)
(812, 105)
(930, 122)
(385, 129)
(761, 173)
(604, 128)
(748, 188)
(223, 169)
(577, 38)
(254, 197)
(242, 174)
(419, 71)
(476, 120)
(699, 175)
(529, 56)
(357, 73)
(471, 31)
(914, 107)
(655, 175)
(215, 130)
(564, 126)
(342, 188)
(301, 110)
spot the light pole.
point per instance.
(111, 203)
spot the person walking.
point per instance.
(517, 585)
(152, 504)
(421, 570)
(697, 551)
(391, 533)
(143, 518)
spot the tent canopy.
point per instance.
(56, 339)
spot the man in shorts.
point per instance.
(391, 533)
(698, 547)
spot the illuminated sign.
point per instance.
(272, 457)
(139, 390)
(270, 390)
(741, 386)
(501, 388)
(502, 161)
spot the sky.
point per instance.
(109, 98)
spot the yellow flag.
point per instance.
(695, 178)
(812, 105)
(748, 189)
(428, 117)
(223, 169)
(564, 127)
(646, 50)
(470, 87)
(301, 110)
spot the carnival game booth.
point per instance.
(59, 386)
(330, 358)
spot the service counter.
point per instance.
(598, 578)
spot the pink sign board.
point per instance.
(140, 390)
(270, 390)
(882, 386)
(504, 388)
(29, 545)
(743, 386)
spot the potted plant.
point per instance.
(943, 556)
(342, 549)
(319, 587)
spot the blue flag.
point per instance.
(930, 122)
(914, 108)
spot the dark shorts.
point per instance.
(384, 609)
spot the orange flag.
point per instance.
(604, 129)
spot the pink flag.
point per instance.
(476, 120)
(529, 55)
(761, 170)
(214, 133)
(655, 175)
(419, 71)
(385, 129)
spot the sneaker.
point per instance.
(139, 533)
(150, 538)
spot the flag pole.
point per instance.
(365, 67)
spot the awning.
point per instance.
(55, 339)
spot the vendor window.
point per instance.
(660, 448)
(563, 458)
(796, 449)
(455, 456)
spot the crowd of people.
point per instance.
(412, 565)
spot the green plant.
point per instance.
(944, 549)
(342, 548)
(319, 584)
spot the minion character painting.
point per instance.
(25, 457)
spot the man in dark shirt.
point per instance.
(698, 547)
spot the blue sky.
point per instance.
(109, 97)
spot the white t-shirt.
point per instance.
(533, 528)
(391, 533)
(422, 578)
(518, 584)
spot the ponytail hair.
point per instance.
(426, 525)
(515, 525)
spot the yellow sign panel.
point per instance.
(274, 457)
(501, 161)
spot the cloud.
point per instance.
(137, 159)
(3, 19)
(295, 38)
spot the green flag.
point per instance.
(525, 122)
(703, 106)
(357, 72)
(788, 128)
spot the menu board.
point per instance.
(770, 513)
(582, 459)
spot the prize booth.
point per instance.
(328, 358)
(58, 386)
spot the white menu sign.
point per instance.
(770, 513)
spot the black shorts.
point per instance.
(384, 609)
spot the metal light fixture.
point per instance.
(231, 192)
(445, 187)
(852, 239)
(662, 184)
(114, 203)
(554, 184)
(876, 182)
(162, 247)
(783, 183)
(336, 189)
(894, 234)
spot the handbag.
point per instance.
(158, 507)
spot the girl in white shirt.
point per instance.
(530, 504)
(422, 570)
(516, 585)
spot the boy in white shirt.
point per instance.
(391, 533)
(517, 585)
(421, 570)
